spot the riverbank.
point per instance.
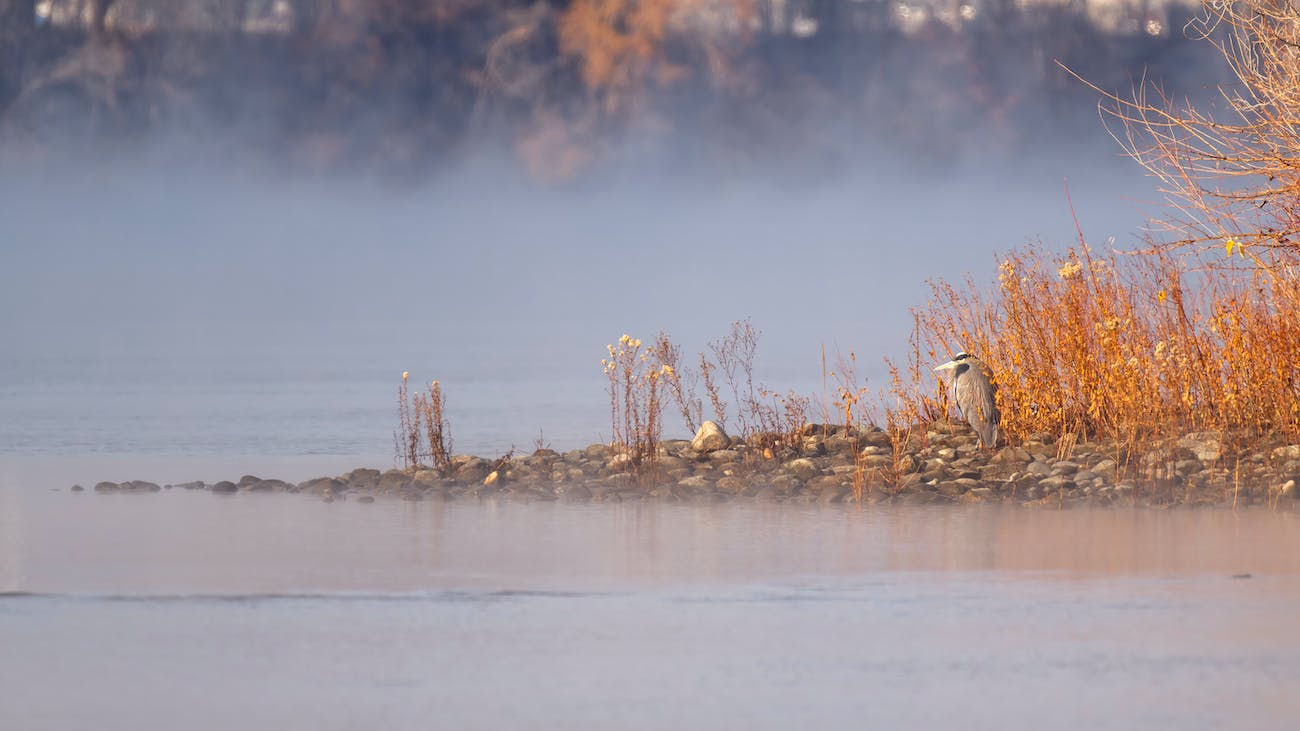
(831, 464)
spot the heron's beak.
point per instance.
(947, 366)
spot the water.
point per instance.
(164, 314)
(174, 329)
(279, 611)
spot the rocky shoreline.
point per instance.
(940, 463)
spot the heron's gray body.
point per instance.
(973, 390)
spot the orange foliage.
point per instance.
(618, 42)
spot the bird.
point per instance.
(973, 390)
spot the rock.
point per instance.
(710, 438)
(1207, 446)
(696, 482)
(1065, 467)
(195, 485)
(393, 481)
(803, 468)
(730, 484)
(1038, 469)
(106, 487)
(224, 487)
(317, 486)
(362, 478)
(1105, 468)
(1054, 483)
(493, 478)
(268, 486)
(950, 488)
(424, 480)
(724, 455)
(832, 493)
(909, 481)
(876, 437)
(841, 442)
(1011, 456)
(472, 472)
(813, 447)
(78, 488)
(247, 480)
(138, 486)
(786, 484)
(596, 451)
(1291, 451)
(1086, 476)
(574, 493)
(366, 499)
(948, 427)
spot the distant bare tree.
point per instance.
(99, 15)
(17, 23)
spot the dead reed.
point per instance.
(423, 436)
(1195, 329)
(641, 378)
(636, 384)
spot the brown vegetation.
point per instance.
(423, 436)
(1194, 331)
(641, 378)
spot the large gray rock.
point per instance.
(362, 478)
(267, 486)
(710, 438)
(803, 468)
(393, 481)
(1205, 445)
(1290, 451)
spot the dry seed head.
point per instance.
(1069, 270)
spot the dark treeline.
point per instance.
(567, 87)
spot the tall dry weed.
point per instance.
(423, 435)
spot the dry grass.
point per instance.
(642, 378)
(1195, 330)
(423, 436)
(1126, 348)
(636, 386)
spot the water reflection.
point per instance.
(178, 541)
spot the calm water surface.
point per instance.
(193, 610)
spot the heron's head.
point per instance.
(957, 360)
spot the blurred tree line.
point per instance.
(572, 85)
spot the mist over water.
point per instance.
(224, 312)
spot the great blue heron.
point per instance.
(972, 389)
